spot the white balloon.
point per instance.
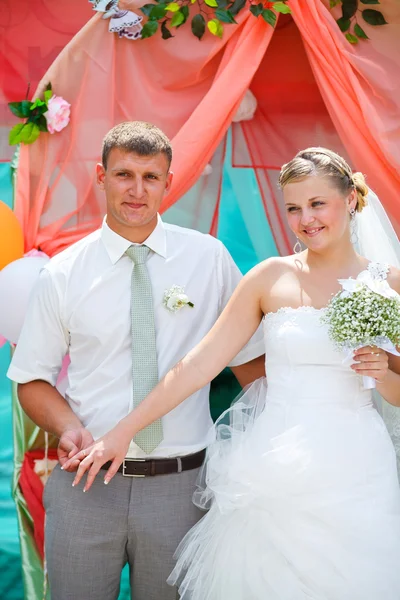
(17, 280)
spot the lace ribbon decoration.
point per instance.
(378, 270)
(123, 22)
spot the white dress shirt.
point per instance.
(81, 306)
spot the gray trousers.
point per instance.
(90, 536)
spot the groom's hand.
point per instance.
(112, 447)
(71, 442)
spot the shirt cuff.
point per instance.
(248, 353)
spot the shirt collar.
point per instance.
(117, 245)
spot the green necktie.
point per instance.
(144, 353)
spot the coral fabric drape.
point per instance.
(32, 489)
(32, 34)
(361, 88)
(321, 90)
(291, 115)
(192, 89)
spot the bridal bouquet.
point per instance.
(366, 312)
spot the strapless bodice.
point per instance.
(302, 363)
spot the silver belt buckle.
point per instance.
(131, 460)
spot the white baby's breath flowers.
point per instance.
(366, 312)
(361, 314)
(175, 299)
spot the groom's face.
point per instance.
(135, 187)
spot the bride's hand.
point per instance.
(371, 362)
(111, 447)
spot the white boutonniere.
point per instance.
(175, 299)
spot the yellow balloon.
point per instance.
(11, 236)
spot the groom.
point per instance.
(127, 303)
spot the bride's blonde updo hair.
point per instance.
(325, 163)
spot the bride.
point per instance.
(301, 481)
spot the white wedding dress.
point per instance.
(302, 483)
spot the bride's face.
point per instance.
(317, 212)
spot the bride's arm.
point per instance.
(231, 332)
(383, 367)
(390, 388)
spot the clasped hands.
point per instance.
(77, 451)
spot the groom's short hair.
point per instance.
(138, 137)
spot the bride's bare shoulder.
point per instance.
(269, 270)
(393, 279)
(275, 265)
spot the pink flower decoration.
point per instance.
(58, 113)
(3, 341)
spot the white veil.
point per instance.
(378, 242)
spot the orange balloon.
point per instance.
(11, 236)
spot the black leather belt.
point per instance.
(145, 467)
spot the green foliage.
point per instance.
(26, 133)
(21, 109)
(214, 14)
(47, 95)
(165, 32)
(256, 9)
(215, 27)
(373, 17)
(198, 26)
(349, 8)
(39, 104)
(281, 7)
(29, 133)
(210, 14)
(344, 24)
(351, 11)
(149, 29)
(236, 6)
(360, 33)
(33, 115)
(158, 12)
(269, 16)
(146, 9)
(40, 122)
(351, 38)
(15, 134)
(224, 15)
(177, 19)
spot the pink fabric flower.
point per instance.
(57, 115)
